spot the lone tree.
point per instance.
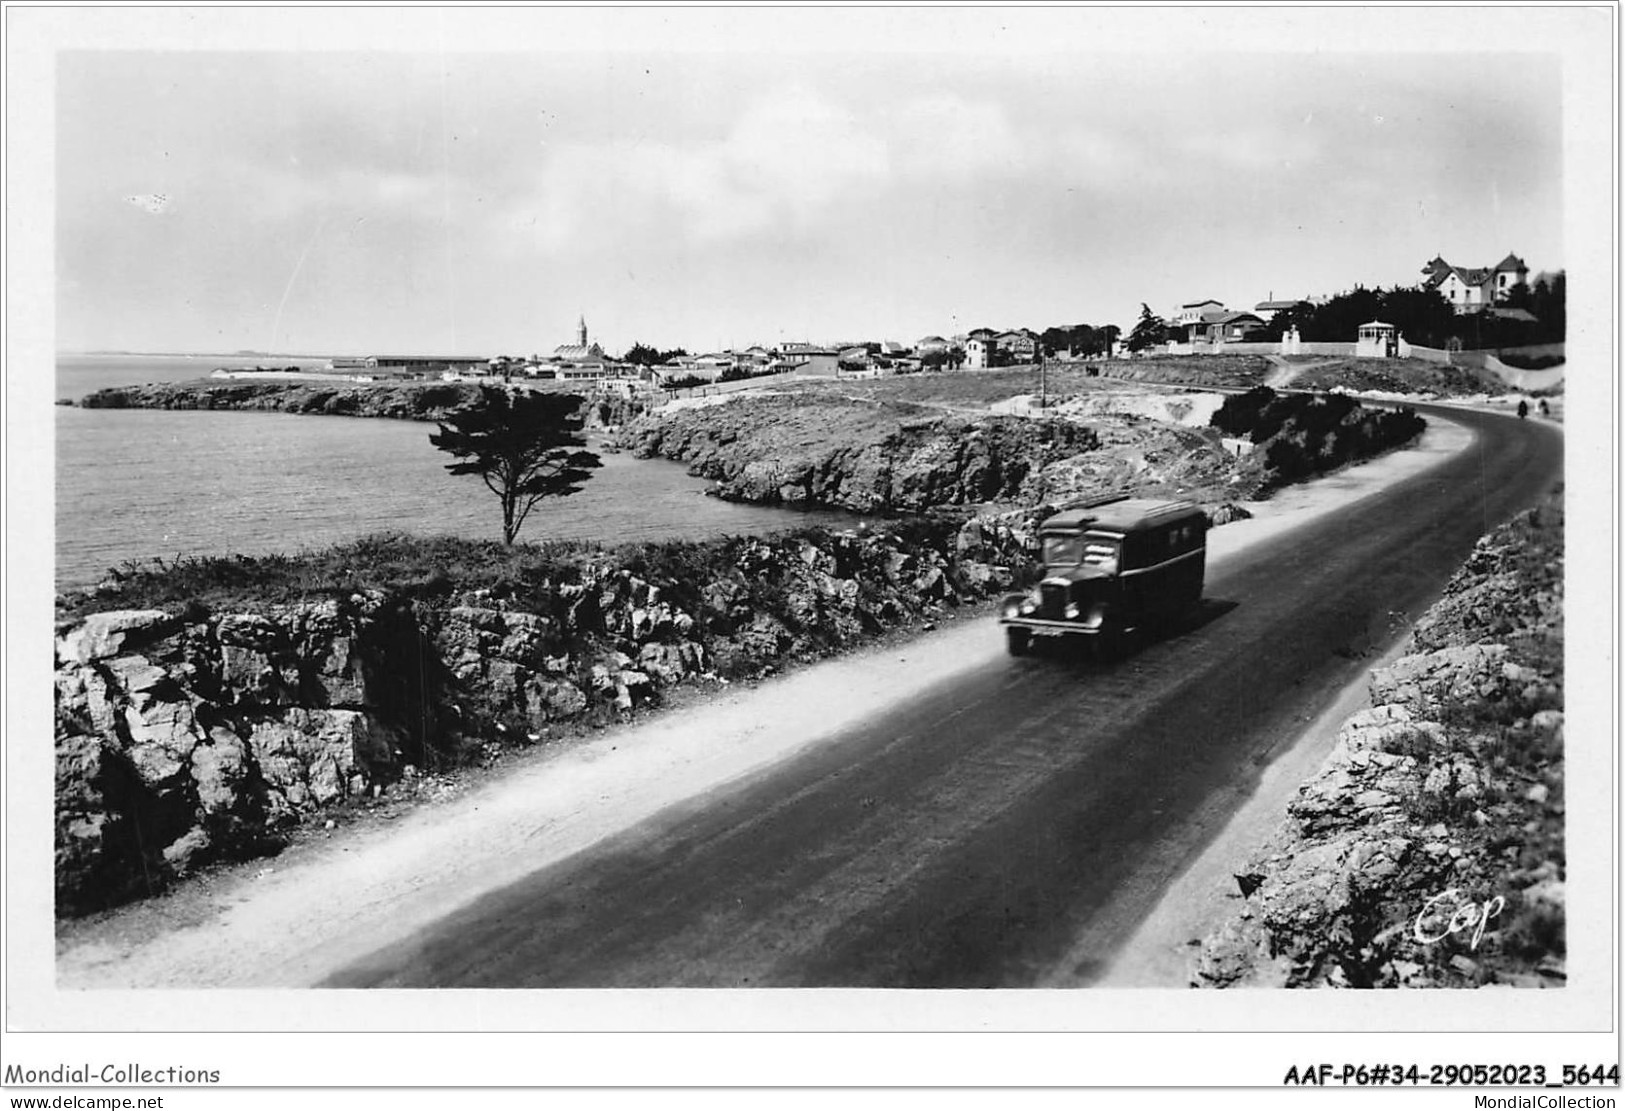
(1149, 331)
(525, 446)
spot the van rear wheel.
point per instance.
(1018, 642)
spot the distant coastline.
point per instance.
(425, 401)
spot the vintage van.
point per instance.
(1111, 568)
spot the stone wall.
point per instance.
(188, 738)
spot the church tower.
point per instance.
(581, 332)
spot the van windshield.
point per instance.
(1063, 551)
(1094, 552)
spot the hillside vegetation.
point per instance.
(1297, 435)
(1400, 376)
(1429, 852)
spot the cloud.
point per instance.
(788, 159)
(945, 136)
(1250, 148)
(1099, 159)
(155, 203)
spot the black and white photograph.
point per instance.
(812, 521)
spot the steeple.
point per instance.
(581, 332)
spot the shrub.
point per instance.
(1303, 435)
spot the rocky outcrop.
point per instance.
(1151, 458)
(1443, 800)
(829, 450)
(184, 740)
(1228, 371)
(405, 401)
(195, 737)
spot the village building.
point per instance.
(1266, 310)
(1380, 340)
(1017, 347)
(1211, 323)
(1227, 327)
(580, 349)
(581, 361)
(981, 349)
(1472, 290)
(1191, 312)
(808, 359)
(415, 364)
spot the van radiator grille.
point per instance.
(1051, 599)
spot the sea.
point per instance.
(137, 485)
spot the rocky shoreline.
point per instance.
(1429, 851)
(425, 401)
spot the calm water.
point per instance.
(77, 375)
(139, 484)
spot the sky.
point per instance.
(680, 189)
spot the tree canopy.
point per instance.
(525, 447)
(1149, 331)
(642, 354)
(1079, 339)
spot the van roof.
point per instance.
(1125, 515)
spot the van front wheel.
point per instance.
(1108, 644)
(1018, 642)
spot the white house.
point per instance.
(1475, 289)
(1266, 310)
(981, 349)
(1192, 312)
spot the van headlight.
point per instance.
(1072, 611)
(1028, 606)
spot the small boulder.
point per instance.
(102, 635)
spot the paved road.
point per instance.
(1010, 829)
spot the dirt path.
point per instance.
(290, 921)
(1286, 373)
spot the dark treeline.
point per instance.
(1079, 339)
(1425, 317)
(641, 354)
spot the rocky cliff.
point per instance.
(819, 446)
(404, 401)
(203, 731)
(826, 449)
(1429, 851)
